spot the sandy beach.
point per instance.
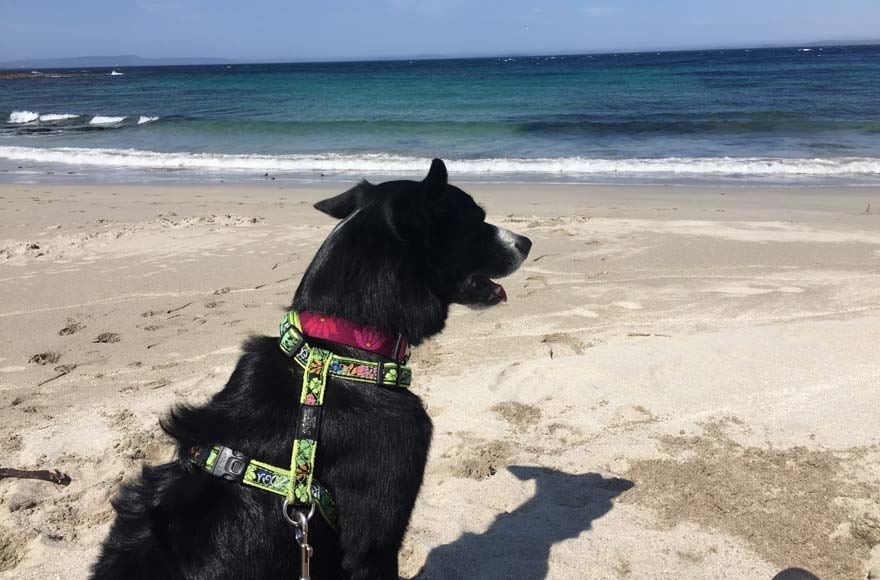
(683, 384)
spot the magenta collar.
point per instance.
(345, 332)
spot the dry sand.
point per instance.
(684, 383)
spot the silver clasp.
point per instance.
(300, 522)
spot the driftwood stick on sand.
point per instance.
(53, 475)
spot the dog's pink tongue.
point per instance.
(499, 290)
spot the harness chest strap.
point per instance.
(231, 465)
(298, 485)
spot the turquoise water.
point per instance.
(783, 115)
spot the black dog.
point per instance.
(403, 253)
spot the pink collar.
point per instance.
(345, 332)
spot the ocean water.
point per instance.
(783, 115)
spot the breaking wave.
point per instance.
(20, 117)
(143, 120)
(49, 117)
(380, 163)
(102, 120)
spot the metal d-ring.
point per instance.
(299, 518)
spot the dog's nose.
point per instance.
(523, 244)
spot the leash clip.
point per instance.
(300, 523)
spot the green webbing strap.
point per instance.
(225, 463)
(305, 445)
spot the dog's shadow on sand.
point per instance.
(517, 544)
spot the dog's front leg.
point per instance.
(370, 537)
(388, 569)
(374, 564)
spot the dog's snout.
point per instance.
(523, 244)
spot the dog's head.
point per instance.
(427, 239)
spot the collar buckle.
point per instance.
(401, 358)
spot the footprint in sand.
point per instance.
(45, 358)
(537, 281)
(574, 343)
(565, 434)
(72, 327)
(480, 459)
(13, 547)
(518, 415)
(107, 337)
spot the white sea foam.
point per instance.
(23, 117)
(387, 164)
(144, 120)
(57, 117)
(101, 120)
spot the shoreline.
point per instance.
(714, 347)
(69, 179)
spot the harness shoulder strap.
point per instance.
(305, 445)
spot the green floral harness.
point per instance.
(297, 484)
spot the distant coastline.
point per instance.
(107, 62)
(138, 61)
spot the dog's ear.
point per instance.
(344, 204)
(437, 178)
(525, 473)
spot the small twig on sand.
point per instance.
(53, 476)
(178, 308)
(62, 370)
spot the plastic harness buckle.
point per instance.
(230, 464)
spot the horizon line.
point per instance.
(10, 65)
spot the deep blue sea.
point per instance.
(782, 115)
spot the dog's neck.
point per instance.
(369, 282)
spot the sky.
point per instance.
(300, 30)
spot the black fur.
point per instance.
(405, 251)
